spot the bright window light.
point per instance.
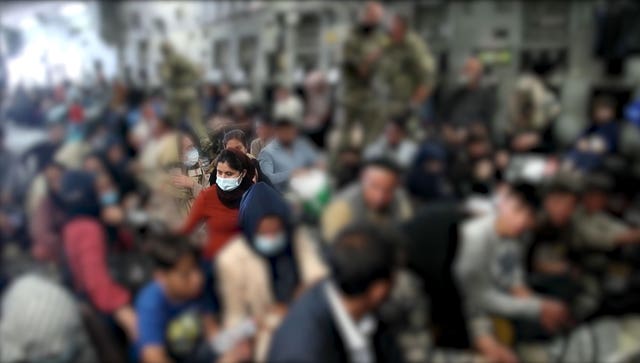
(73, 9)
(28, 23)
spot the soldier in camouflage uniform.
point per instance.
(408, 72)
(362, 51)
(180, 78)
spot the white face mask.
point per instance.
(270, 245)
(228, 184)
(191, 157)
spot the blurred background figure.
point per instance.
(180, 78)
(395, 143)
(196, 175)
(472, 100)
(318, 117)
(288, 154)
(409, 73)
(363, 50)
(53, 319)
(378, 197)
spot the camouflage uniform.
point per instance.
(406, 66)
(180, 79)
(361, 101)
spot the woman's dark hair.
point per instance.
(235, 135)
(234, 159)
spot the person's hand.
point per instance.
(280, 310)
(241, 352)
(182, 181)
(131, 201)
(521, 291)
(493, 351)
(112, 215)
(127, 320)
(526, 142)
(553, 315)
(299, 172)
(583, 145)
(374, 56)
(4, 222)
(320, 164)
(631, 236)
(369, 60)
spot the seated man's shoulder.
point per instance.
(305, 330)
(267, 150)
(308, 314)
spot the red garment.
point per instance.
(44, 227)
(222, 222)
(76, 114)
(85, 246)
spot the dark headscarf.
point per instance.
(263, 201)
(119, 171)
(78, 195)
(232, 198)
(426, 184)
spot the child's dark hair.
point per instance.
(235, 135)
(167, 251)
(527, 193)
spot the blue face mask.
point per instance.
(109, 198)
(270, 245)
(228, 184)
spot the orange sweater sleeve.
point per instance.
(196, 214)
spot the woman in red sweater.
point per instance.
(218, 205)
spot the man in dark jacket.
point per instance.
(334, 321)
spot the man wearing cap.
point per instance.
(288, 154)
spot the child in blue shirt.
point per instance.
(174, 321)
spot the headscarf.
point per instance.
(427, 184)
(78, 194)
(232, 198)
(259, 202)
(118, 171)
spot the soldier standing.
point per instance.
(180, 78)
(362, 52)
(408, 71)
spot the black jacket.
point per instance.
(309, 334)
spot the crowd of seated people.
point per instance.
(288, 240)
